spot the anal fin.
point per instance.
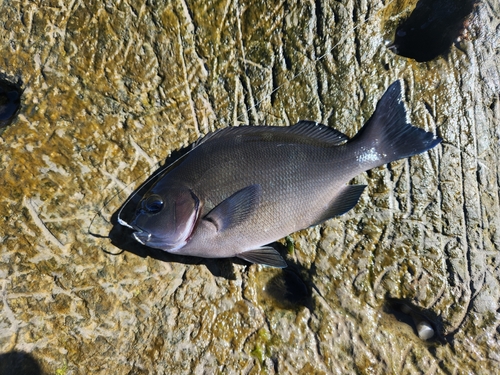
(346, 199)
(264, 255)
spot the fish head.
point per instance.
(165, 220)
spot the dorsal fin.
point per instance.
(321, 132)
(303, 131)
(208, 136)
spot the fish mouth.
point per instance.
(147, 239)
(142, 237)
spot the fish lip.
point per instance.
(141, 236)
(146, 239)
(124, 223)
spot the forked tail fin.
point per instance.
(387, 136)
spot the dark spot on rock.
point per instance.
(432, 28)
(429, 108)
(10, 100)
(421, 320)
(17, 362)
(288, 289)
(493, 104)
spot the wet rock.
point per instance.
(112, 89)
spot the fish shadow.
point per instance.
(289, 288)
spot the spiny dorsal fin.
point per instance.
(207, 137)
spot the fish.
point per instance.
(242, 188)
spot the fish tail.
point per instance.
(387, 136)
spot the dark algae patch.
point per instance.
(431, 29)
(10, 101)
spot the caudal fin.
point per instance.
(387, 136)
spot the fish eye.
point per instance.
(153, 204)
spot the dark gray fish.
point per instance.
(242, 188)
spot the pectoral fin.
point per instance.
(345, 200)
(264, 255)
(235, 209)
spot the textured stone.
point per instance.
(112, 88)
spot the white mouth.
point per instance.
(141, 237)
(124, 223)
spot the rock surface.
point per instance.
(112, 88)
